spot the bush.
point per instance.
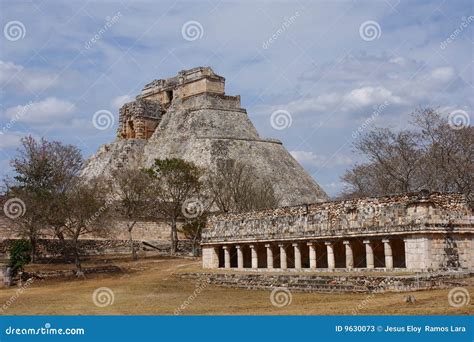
(20, 255)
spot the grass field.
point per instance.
(150, 287)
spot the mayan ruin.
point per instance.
(189, 116)
(252, 171)
(416, 232)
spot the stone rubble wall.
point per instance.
(332, 283)
(49, 248)
(142, 231)
(156, 234)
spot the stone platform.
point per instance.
(328, 283)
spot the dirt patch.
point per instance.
(150, 286)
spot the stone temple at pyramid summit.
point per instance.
(189, 116)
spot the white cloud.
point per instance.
(312, 84)
(367, 96)
(8, 71)
(398, 60)
(50, 110)
(317, 160)
(318, 104)
(355, 99)
(16, 77)
(119, 101)
(442, 74)
(10, 139)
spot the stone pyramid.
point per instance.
(190, 117)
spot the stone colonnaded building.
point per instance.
(416, 232)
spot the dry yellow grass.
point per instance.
(149, 287)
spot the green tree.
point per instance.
(175, 182)
(44, 172)
(192, 230)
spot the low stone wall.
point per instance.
(332, 283)
(72, 273)
(142, 231)
(49, 248)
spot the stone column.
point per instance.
(297, 256)
(283, 264)
(240, 257)
(387, 248)
(369, 254)
(312, 255)
(226, 256)
(269, 255)
(253, 248)
(330, 252)
(349, 254)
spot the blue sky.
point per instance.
(332, 67)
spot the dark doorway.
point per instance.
(340, 254)
(221, 257)
(379, 253)
(398, 251)
(169, 95)
(131, 130)
(321, 255)
(358, 250)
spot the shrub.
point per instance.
(20, 255)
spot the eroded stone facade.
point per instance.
(417, 231)
(139, 119)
